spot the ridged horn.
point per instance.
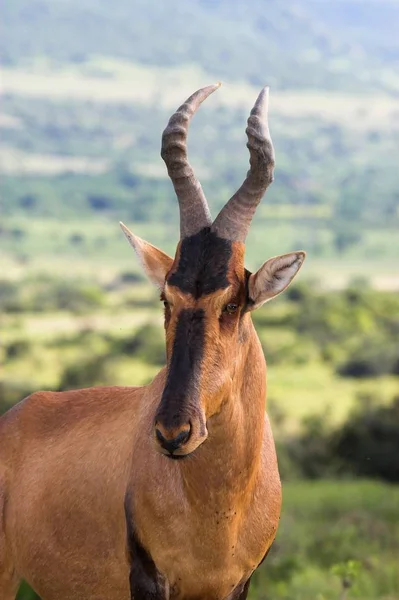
(234, 220)
(194, 210)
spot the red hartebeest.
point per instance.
(92, 504)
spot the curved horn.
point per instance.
(194, 211)
(235, 218)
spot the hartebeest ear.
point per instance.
(155, 263)
(273, 277)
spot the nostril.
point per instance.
(182, 438)
(172, 444)
(160, 437)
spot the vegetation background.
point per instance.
(87, 87)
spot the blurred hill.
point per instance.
(88, 86)
(294, 44)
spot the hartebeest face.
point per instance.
(207, 292)
(205, 300)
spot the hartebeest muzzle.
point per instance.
(180, 423)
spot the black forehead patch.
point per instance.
(203, 264)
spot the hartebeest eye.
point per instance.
(230, 308)
(165, 302)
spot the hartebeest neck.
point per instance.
(228, 462)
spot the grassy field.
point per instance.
(299, 392)
(105, 80)
(324, 527)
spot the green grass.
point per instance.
(329, 523)
(299, 391)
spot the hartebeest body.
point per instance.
(92, 504)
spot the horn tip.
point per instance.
(212, 88)
(265, 91)
(262, 102)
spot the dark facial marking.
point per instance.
(146, 583)
(179, 397)
(203, 263)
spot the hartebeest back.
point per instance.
(94, 504)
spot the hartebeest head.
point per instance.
(207, 292)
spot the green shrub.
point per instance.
(66, 295)
(148, 344)
(17, 349)
(368, 443)
(10, 296)
(92, 371)
(373, 357)
(309, 454)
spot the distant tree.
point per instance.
(368, 443)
